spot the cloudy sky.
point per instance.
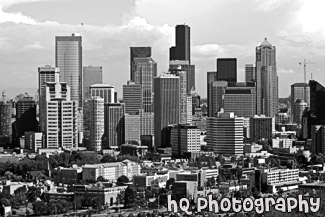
(219, 28)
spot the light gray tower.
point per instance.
(91, 75)
(266, 79)
(68, 58)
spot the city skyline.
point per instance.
(108, 45)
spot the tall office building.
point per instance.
(166, 105)
(104, 91)
(225, 134)
(5, 118)
(267, 79)
(136, 52)
(240, 98)
(249, 73)
(25, 116)
(318, 139)
(132, 127)
(68, 58)
(114, 125)
(91, 75)
(196, 100)
(60, 116)
(315, 115)
(183, 65)
(211, 77)
(182, 50)
(217, 97)
(261, 127)
(96, 119)
(147, 126)
(227, 69)
(185, 138)
(299, 91)
(299, 108)
(180, 55)
(145, 71)
(132, 97)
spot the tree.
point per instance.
(33, 193)
(40, 208)
(101, 179)
(122, 180)
(108, 158)
(128, 197)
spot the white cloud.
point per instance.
(270, 5)
(285, 71)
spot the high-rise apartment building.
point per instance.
(137, 52)
(96, 123)
(227, 69)
(240, 98)
(25, 116)
(145, 69)
(132, 97)
(266, 79)
(91, 75)
(225, 134)
(261, 127)
(104, 91)
(5, 119)
(46, 74)
(250, 73)
(185, 138)
(166, 105)
(68, 58)
(114, 125)
(60, 117)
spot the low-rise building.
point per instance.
(134, 150)
(67, 175)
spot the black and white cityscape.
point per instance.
(132, 116)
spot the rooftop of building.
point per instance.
(101, 86)
(266, 43)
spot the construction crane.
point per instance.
(305, 63)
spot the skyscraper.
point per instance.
(249, 73)
(182, 50)
(240, 98)
(299, 91)
(96, 107)
(25, 116)
(185, 138)
(104, 91)
(183, 65)
(136, 52)
(261, 127)
(68, 58)
(217, 97)
(315, 115)
(225, 134)
(132, 97)
(132, 127)
(227, 69)
(318, 139)
(267, 79)
(91, 75)
(180, 55)
(46, 74)
(299, 108)
(145, 69)
(211, 76)
(166, 105)
(60, 117)
(5, 119)
(114, 124)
